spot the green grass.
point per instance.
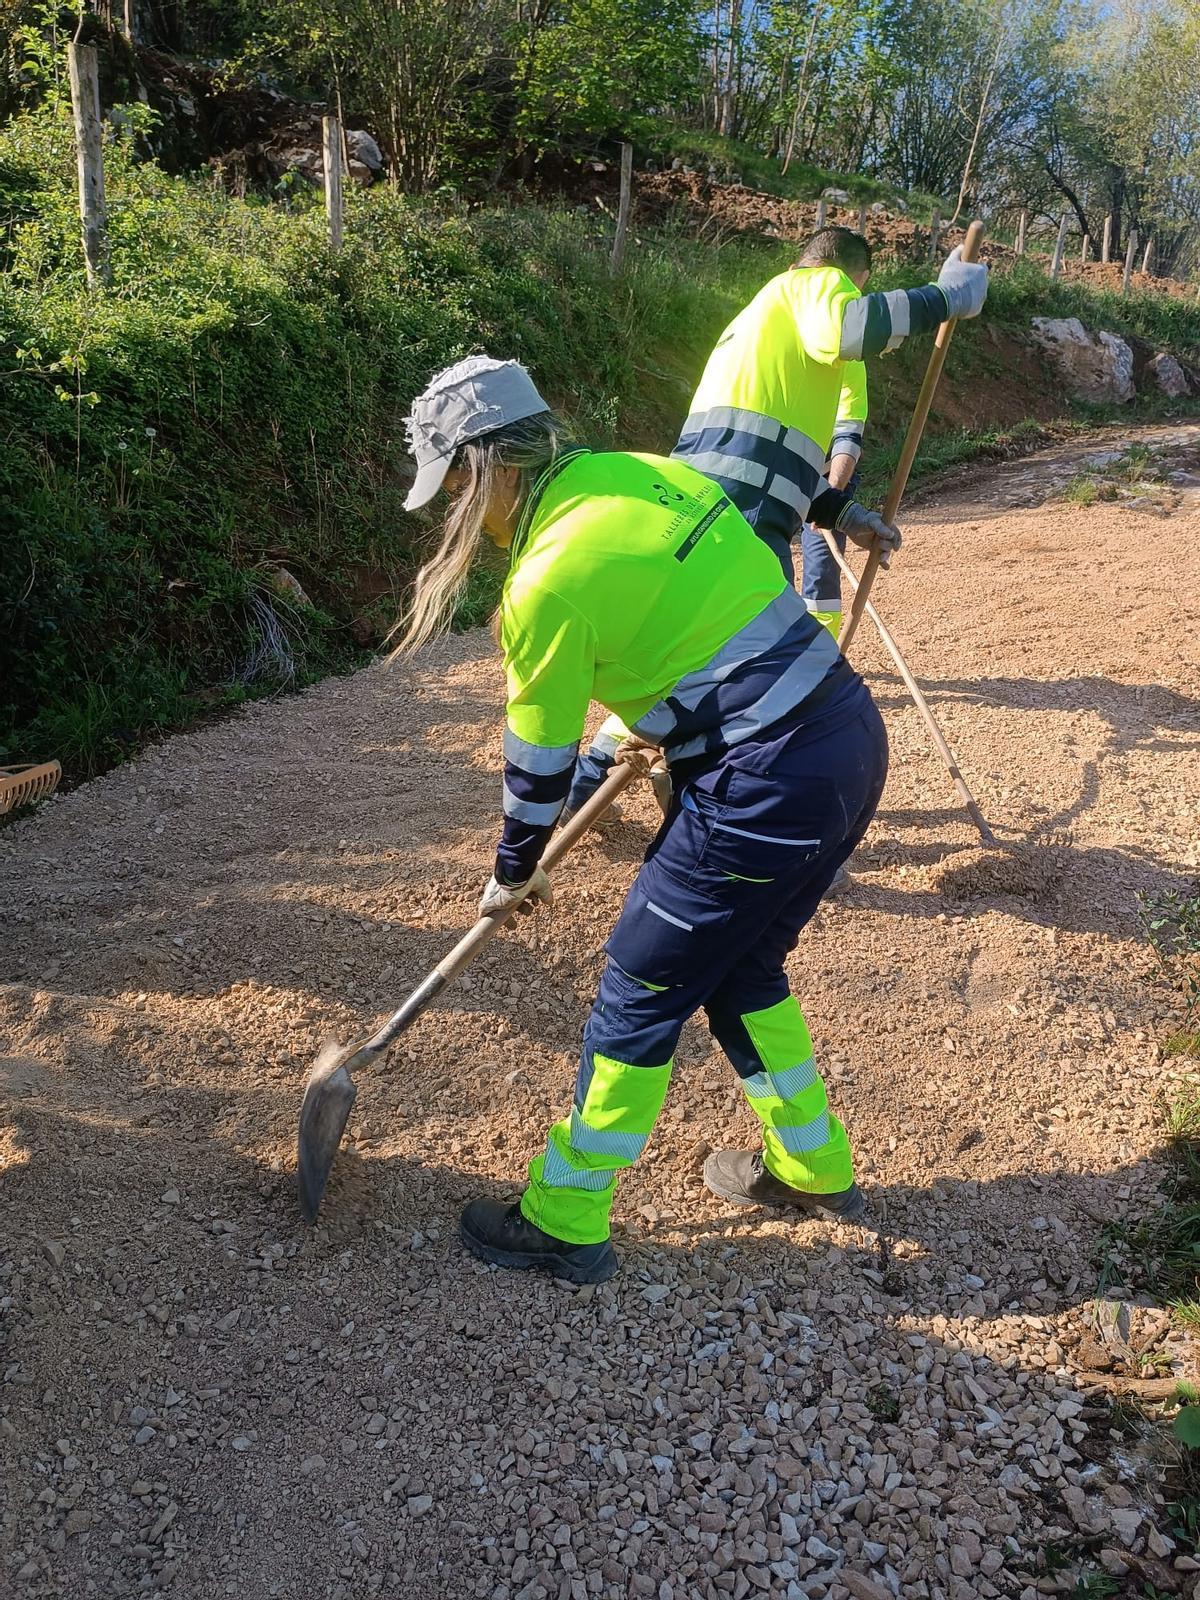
(728, 158)
(884, 1403)
(235, 402)
(1082, 490)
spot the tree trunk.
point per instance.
(964, 185)
(728, 100)
(801, 88)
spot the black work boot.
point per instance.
(502, 1235)
(742, 1176)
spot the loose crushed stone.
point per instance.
(201, 1398)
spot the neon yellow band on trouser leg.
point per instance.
(572, 1183)
(804, 1144)
(831, 620)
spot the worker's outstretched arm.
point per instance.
(876, 322)
(549, 653)
(845, 448)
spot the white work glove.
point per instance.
(964, 283)
(869, 531)
(501, 897)
(649, 762)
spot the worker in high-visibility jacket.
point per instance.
(762, 419)
(785, 376)
(634, 581)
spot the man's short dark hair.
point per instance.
(837, 247)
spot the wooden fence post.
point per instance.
(1021, 226)
(331, 148)
(935, 233)
(89, 152)
(1057, 258)
(1129, 255)
(1146, 259)
(1086, 250)
(1106, 246)
(862, 219)
(820, 214)
(623, 204)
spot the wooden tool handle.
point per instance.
(486, 929)
(891, 506)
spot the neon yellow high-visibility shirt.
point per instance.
(762, 419)
(635, 582)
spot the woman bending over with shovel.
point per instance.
(633, 581)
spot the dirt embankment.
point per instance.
(722, 210)
(201, 1398)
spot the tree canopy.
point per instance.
(1092, 106)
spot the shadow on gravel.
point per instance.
(1048, 884)
(1137, 714)
(170, 1317)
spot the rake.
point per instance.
(26, 785)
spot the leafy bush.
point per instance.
(234, 403)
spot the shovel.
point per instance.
(329, 1093)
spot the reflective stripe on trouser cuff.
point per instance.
(825, 1170)
(572, 1183)
(803, 1143)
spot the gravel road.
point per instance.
(201, 1398)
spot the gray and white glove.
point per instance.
(501, 897)
(649, 762)
(869, 531)
(964, 283)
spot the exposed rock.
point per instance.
(1168, 375)
(363, 148)
(838, 196)
(1098, 367)
(288, 585)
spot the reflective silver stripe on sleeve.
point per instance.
(540, 759)
(899, 308)
(854, 328)
(605, 744)
(537, 815)
(847, 440)
(716, 464)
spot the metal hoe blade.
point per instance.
(329, 1096)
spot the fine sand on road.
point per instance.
(202, 1398)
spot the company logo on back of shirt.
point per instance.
(698, 531)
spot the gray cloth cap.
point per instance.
(467, 400)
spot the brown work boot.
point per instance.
(742, 1176)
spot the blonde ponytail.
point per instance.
(531, 445)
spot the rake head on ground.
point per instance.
(25, 785)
